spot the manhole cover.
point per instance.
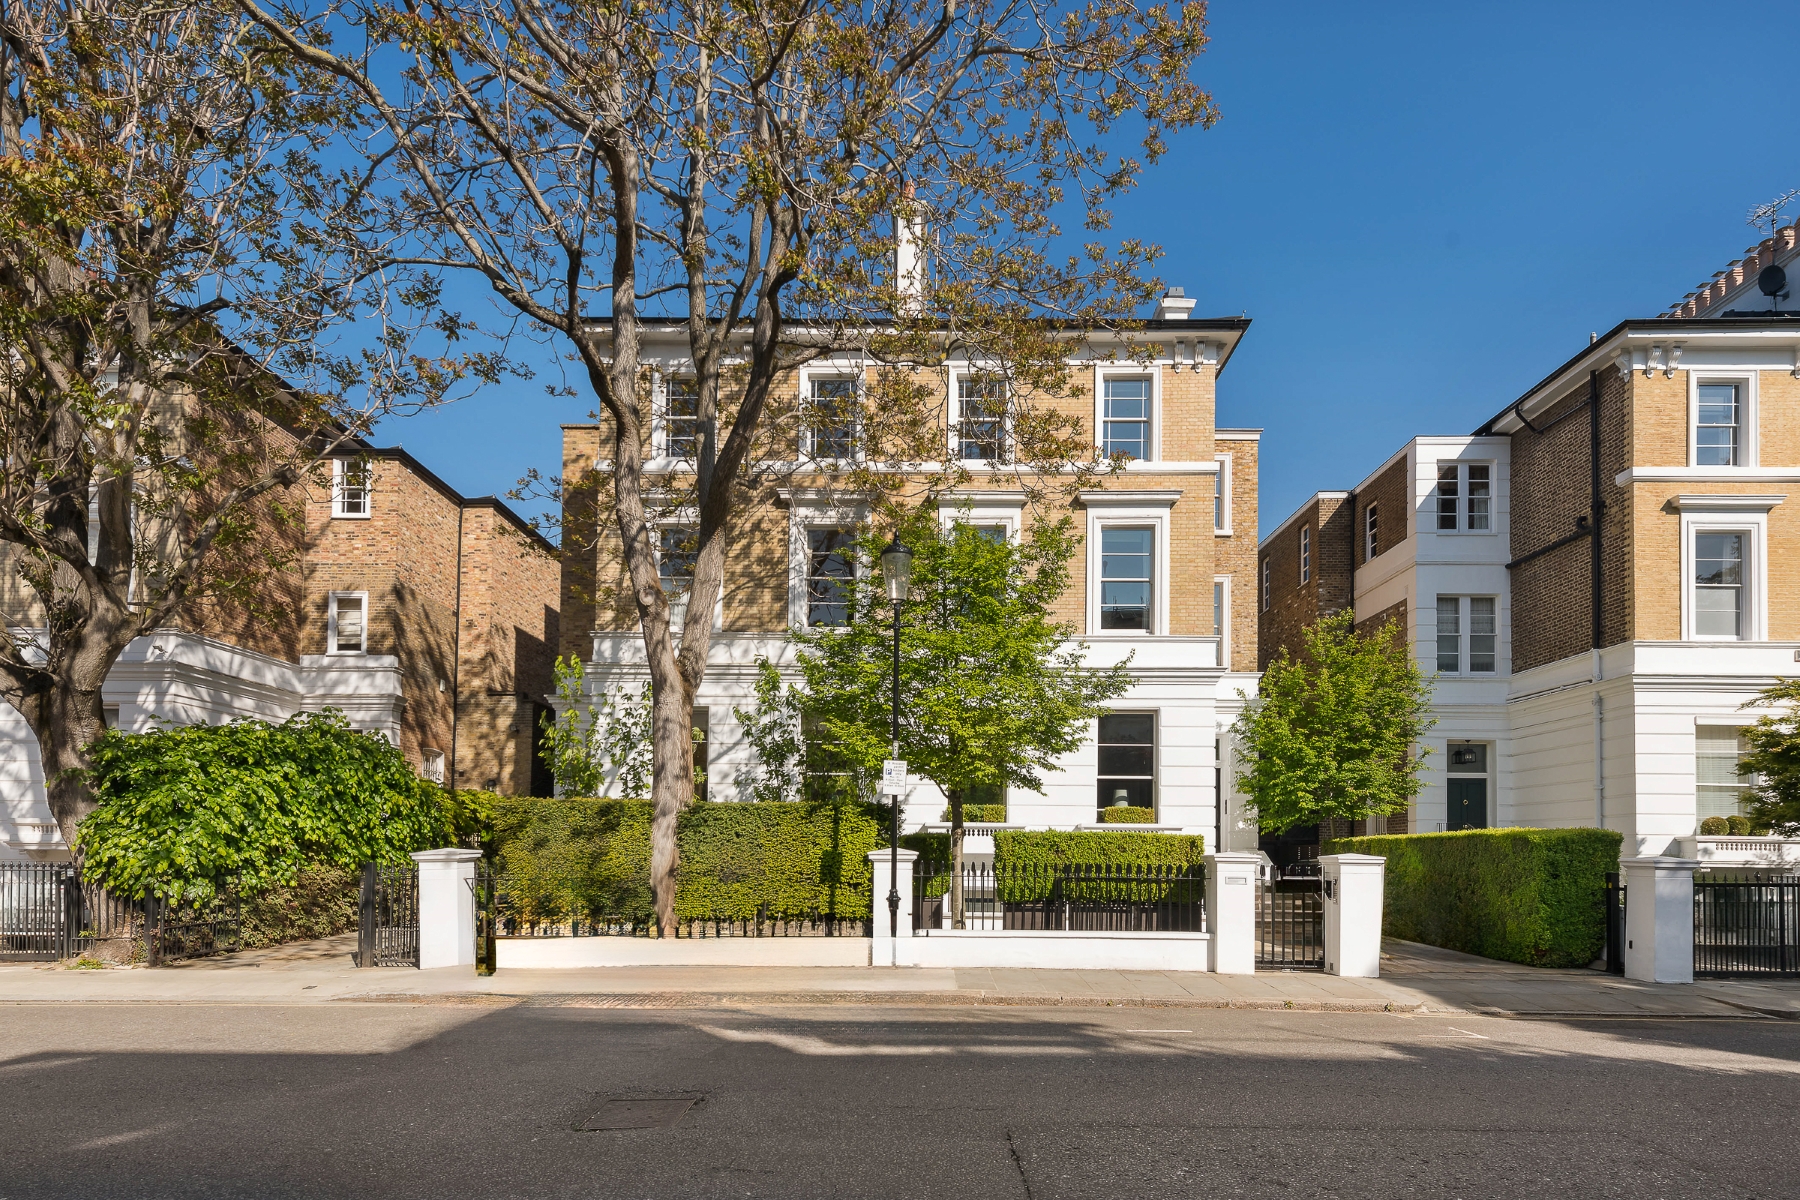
(639, 1114)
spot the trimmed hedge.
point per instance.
(993, 813)
(1093, 847)
(1529, 896)
(1128, 815)
(321, 901)
(575, 857)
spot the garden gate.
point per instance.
(1290, 920)
(1746, 924)
(387, 926)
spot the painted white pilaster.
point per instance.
(1659, 918)
(446, 907)
(1353, 894)
(1231, 888)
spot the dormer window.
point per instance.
(350, 486)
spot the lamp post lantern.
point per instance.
(896, 572)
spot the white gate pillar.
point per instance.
(1231, 892)
(1659, 918)
(446, 907)
(884, 950)
(1352, 884)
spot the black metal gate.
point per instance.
(1746, 924)
(35, 911)
(49, 913)
(1290, 925)
(387, 933)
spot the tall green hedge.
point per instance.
(1093, 847)
(1528, 896)
(581, 857)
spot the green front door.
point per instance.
(1468, 804)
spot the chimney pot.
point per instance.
(1174, 306)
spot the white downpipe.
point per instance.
(1599, 747)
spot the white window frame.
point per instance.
(1222, 630)
(805, 515)
(331, 622)
(1716, 514)
(659, 424)
(1005, 508)
(953, 445)
(1222, 496)
(1465, 622)
(431, 764)
(1130, 512)
(1156, 756)
(1371, 531)
(1305, 554)
(1462, 496)
(1748, 404)
(1105, 371)
(1265, 585)
(830, 370)
(339, 469)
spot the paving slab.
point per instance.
(1415, 978)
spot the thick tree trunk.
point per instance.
(956, 859)
(67, 716)
(671, 789)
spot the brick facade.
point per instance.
(1390, 493)
(1551, 595)
(1295, 605)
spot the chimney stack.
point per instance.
(909, 253)
(1174, 306)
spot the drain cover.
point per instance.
(639, 1114)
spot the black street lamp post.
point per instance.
(896, 570)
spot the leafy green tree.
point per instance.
(746, 172)
(992, 687)
(1774, 760)
(1334, 733)
(583, 742)
(185, 284)
(773, 731)
(187, 811)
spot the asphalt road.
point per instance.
(445, 1102)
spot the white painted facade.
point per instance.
(1468, 704)
(177, 678)
(1177, 678)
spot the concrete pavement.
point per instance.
(1415, 978)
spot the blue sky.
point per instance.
(1424, 209)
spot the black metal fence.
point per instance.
(192, 928)
(1612, 901)
(387, 925)
(539, 906)
(1165, 898)
(1290, 925)
(49, 913)
(1746, 924)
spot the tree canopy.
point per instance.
(1334, 732)
(1774, 761)
(195, 809)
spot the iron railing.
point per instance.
(1746, 924)
(192, 928)
(35, 916)
(1290, 925)
(540, 906)
(49, 913)
(387, 925)
(1160, 898)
